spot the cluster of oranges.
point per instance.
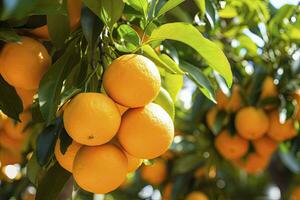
(113, 133)
(24, 74)
(259, 127)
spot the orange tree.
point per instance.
(247, 145)
(75, 72)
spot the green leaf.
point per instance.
(58, 27)
(52, 183)
(46, 142)
(186, 163)
(108, 11)
(149, 52)
(10, 102)
(228, 12)
(45, 7)
(173, 83)
(91, 26)
(200, 79)
(7, 34)
(289, 160)
(171, 63)
(33, 170)
(140, 5)
(165, 101)
(52, 82)
(65, 140)
(212, 54)
(168, 6)
(128, 39)
(201, 6)
(16, 9)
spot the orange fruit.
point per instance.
(18, 130)
(211, 117)
(91, 118)
(3, 118)
(231, 147)
(268, 88)
(100, 169)
(251, 123)
(26, 96)
(235, 100)
(8, 157)
(23, 64)
(254, 163)
(297, 98)
(280, 132)
(133, 162)
(295, 194)
(144, 37)
(122, 109)
(146, 132)
(156, 173)
(265, 146)
(167, 192)
(66, 160)
(196, 196)
(10, 143)
(74, 12)
(222, 99)
(132, 80)
(200, 172)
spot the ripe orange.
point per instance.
(91, 118)
(17, 130)
(196, 196)
(66, 160)
(122, 109)
(268, 88)
(132, 80)
(265, 146)
(100, 169)
(23, 64)
(146, 132)
(156, 173)
(222, 100)
(26, 97)
(10, 143)
(295, 194)
(167, 192)
(251, 123)
(74, 11)
(254, 163)
(235, 100)
(278, 131)
(133, 162)
(3, 117)
(140, 32)
(211, 117)
(231, 147)
(8, 157)
(297, 98)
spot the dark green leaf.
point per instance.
(33, 169)
(83, 195)
(51, 84)
(200, 79)
(10, 102)
(46, 142)
(58, 27)
(65, 140)
(7, 34)
(108, 11)
(52, 183)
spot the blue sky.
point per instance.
(279, 3)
